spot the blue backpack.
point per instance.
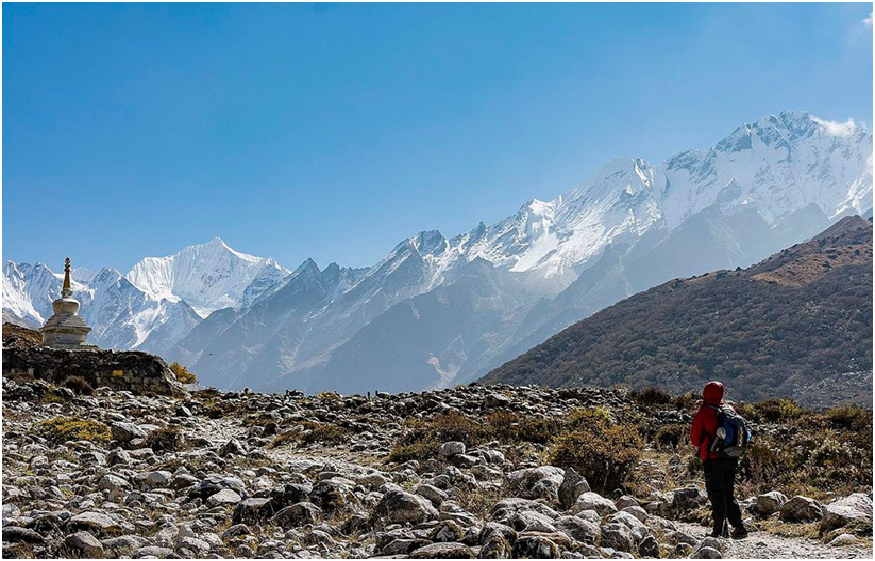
(733, 436)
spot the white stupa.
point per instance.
(66, 329)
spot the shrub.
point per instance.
(650, 396)
(79, 385)
(776, 410)
(850, 417)
(604, 454)
(671, 435)
(167, 439)
(312, 433)
(418, 451)
(509, 427)
(61, 429)
(183, 374)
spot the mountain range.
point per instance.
(438, 311)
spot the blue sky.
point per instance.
(335, 131)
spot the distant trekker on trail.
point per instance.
(721, 436)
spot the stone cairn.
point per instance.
(66, 329)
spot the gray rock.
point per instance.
(224, 497)
(573, 485)
(617, 536)
(400, 507)
(855, 510)
(801, 509)
(298, 515)
(84, 544)
(769, 503)
(451, 448)
(593, 501)
(445, 550)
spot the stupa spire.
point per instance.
(66, 290)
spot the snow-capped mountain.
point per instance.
(438, 311)
(153, 313)
(208, 277)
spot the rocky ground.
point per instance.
(113, 474)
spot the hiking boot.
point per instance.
(720, 529)
(739, 532)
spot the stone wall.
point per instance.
(133, 371)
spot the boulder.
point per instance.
(801, 509)
(769, 503)
(83, 544)
(401, 507)
(854, 510)
(298, 515)
(617, 536)
(573, 485)
(593, 501)
(451, 448)
(444, 550)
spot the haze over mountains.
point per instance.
(438, 311)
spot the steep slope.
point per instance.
(801, 315)
(432, 335)
(208, 277)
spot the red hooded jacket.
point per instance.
(705, 421)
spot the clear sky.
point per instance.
(334, 131)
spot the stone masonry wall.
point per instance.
(133, 371)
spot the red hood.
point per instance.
(713, 393)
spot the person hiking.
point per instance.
(719, 471)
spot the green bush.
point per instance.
(671, 435)
(183, 374)
(66, 429)
(79, 385)
(850, 417)
(651, 396)
(604, 454)
(779, 409)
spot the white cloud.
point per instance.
(868, 20)
(836, 128)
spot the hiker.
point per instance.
(719, 470)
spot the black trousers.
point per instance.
(720, 486)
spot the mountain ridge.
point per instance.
(768, 184)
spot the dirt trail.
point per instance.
(762, 545)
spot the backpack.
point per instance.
(733, 436)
